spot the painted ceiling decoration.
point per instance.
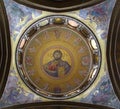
(62, 42)
(59, 5)
(46, 55)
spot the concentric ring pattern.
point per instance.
(58, 57)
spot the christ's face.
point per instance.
(57, 54)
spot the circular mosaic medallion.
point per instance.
(58, 57)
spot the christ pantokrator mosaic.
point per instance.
(57, 67)
(56, 58)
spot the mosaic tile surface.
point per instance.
(19, 16)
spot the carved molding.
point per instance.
(58, 105)
(5, 48)
(113, 49)
(60, 5)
